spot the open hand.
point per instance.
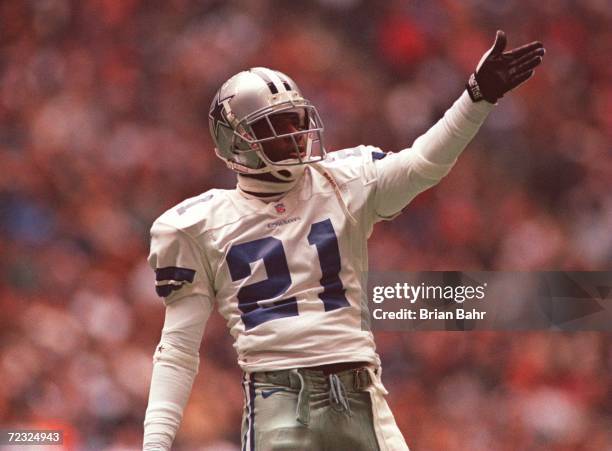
(499, 72)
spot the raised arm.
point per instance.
(401, 176)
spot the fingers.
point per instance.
(528, 62)
(529, 65)
(522, 68)
(520, 78)
(500, 43)
(527, 56)
(524, 49)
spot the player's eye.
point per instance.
(281, 123)
(297, 119)
(262, 129)
(284, 121)
(293, 119)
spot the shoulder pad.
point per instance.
(354, 155)
(195, 211)
(347, 164)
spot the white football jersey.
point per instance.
(288, 276)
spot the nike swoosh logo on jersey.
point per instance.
(266, 393)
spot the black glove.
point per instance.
(498, 72)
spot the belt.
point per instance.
(306, 379)
(352, 374)
(334, 368)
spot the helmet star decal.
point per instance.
(218, 113)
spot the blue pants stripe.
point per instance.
(248, 386)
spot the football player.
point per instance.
(282, 257)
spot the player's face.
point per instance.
(283, 123)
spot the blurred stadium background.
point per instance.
(103, 126)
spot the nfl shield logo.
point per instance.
(280, 208)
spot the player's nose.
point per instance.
(289, 128)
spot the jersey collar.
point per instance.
(277, 206)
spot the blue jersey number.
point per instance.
(272, 252)
(323, 236)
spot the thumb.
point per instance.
(500, 43)
(498, 47)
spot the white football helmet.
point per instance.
(254, 97)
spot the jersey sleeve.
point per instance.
(401, 176)
(182, 280)
(180, 266)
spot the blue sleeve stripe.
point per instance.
(378, 155)
(175, 274)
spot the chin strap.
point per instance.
(334, 184)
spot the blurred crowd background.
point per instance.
(103, 126)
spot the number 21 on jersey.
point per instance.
(239, 258)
